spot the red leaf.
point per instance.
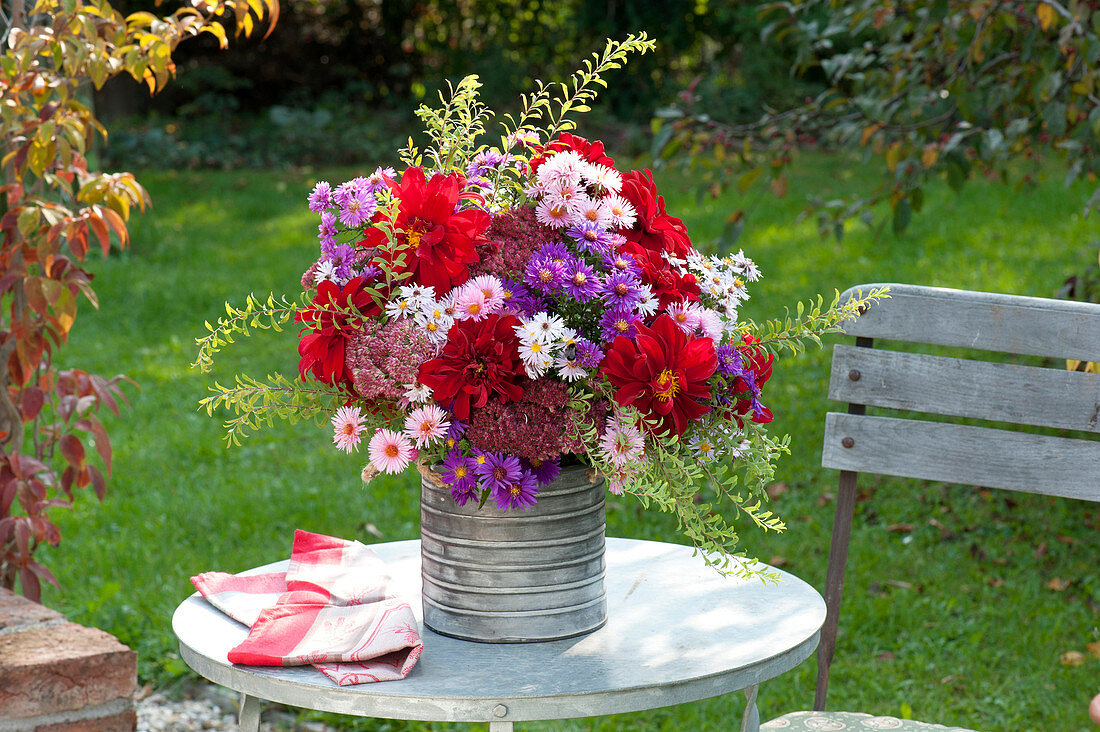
(43, 572)
(22, 537)
(98, 482)
(99, 228)
(30, 402)
(31, 588)
(102, 443)
(72, 449)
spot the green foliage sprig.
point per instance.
(270, 314)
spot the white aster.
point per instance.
(417, 393)
(621, 211)
(401, 307)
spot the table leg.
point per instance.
(751, 721)
(500, 727)
(248, 716)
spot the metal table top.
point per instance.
(677, 631)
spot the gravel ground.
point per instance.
(209, 707)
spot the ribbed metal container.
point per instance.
(515, 577)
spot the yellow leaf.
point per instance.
(929, 156)
(868, 131)
(893, 155)
(1046, 15)
(1072, 658)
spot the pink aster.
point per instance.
(427, 424)
(554, 215)
(347, 425)
(390, 452)
(471, 304)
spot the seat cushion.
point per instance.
(822, 721)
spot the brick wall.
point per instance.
(57, 676)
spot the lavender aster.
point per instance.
(622, 263)
(545, 472)
(321, 197)
(621, 290)
(326, 231)
(356, 208)
(521, 493)
(581, 283)
(589, 354)
(498, 471)
(591, 237)
(618, 323)
(729, 361)
(457, 471)
(543, 274)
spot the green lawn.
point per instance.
(955, 624)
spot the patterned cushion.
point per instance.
(822, 721)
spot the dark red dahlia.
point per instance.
(441, 243)
(663, 373)
(668, 283)
(654, 229)
(758, 362)
(590, 151)
(333, 319)
(480, 359)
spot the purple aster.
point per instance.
(486, 161)
(618, 323)
(621, 290)
(457, 471)
(321, 197)
(555, 251)
(376, 182)
(545, 472)
(371, 271)
(581, 283)
(342, 257)
(589, 354)
(498, 471)
(622, 263)
(729, 361)
(326, 231)
(357, 207)
(591, 237)
(544, 274)
(521, 493)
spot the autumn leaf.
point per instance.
(1072, 658)
(1058, 584)
(1046, 15)
(1093, 649)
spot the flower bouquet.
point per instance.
(493, 312)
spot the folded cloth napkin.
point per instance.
(331, 608)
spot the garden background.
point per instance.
(962, 606)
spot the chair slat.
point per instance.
(982, 320)
(959, 387)
(992, 458)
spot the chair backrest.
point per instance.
(867, 376)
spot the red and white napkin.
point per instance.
(331, 609)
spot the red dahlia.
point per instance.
(441, 243)
(759, 362)
(322, 349)
(590, 151)
(479, 359)
(654, 229)
(662, 372)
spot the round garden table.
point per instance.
(677, 631)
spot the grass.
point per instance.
(954, 621)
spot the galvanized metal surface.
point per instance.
(676, 632)
(516, 576)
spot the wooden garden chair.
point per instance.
(865, 376)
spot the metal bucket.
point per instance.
(515, 577)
